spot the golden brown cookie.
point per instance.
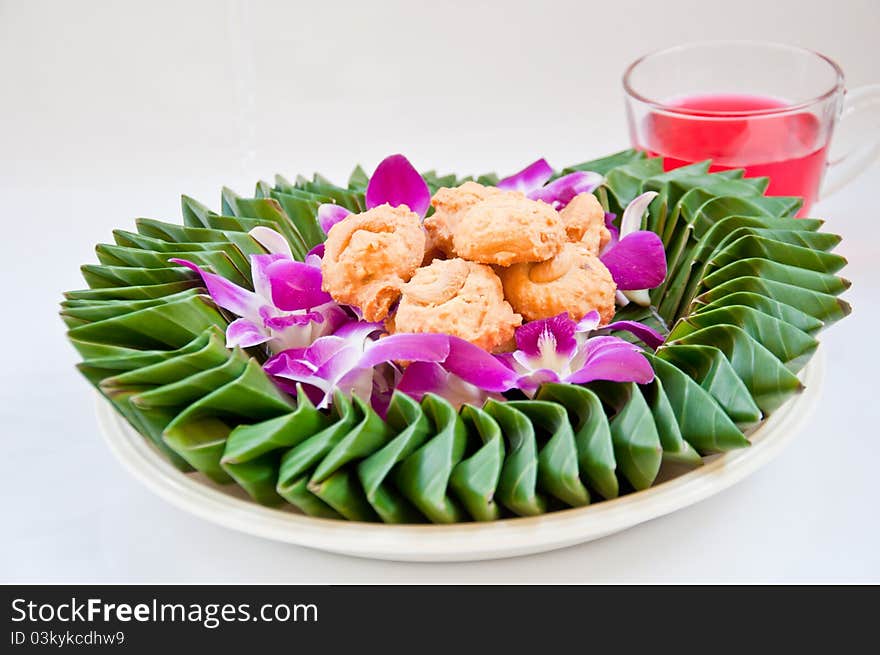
(457, 297)
(584, 221)
(508, 229)
(369, 256)
(574, 281)
(450, 204)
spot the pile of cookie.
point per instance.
(484, 262)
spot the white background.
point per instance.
(111, 110)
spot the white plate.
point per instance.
(228, 505)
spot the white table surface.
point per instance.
(110, 114)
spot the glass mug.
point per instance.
(768, 108)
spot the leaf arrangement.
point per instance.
(748, 289)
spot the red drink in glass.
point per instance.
(767, 108)
(785, 147)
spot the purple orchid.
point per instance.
(559, 350)
(532, 181)
(287, 308)
(395, 182)
(635, 257)
(347, 359)
(551, 350)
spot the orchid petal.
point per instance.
(274, 242)
(397, 182)
(420, 378)
(340, 364)
(589, 322)
(530, 383)
(296, 285)
(563, 189)
(620, 298)
(407, 347)
(536, 338)
(473, 364)
(290, 365)
(532, 177)
(259, 275)
(244, 333)
(225, 294)
(612, 230)
(632, 215)
(647, 334)
(329, 214)
(612, 358)
(638, 261)
(280, 323)
(358, 331)
(315, 255)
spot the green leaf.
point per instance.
(637, 447)
(702, 421)
(592, 435)
(517, 486)
(423, 477)
(675, 449)
(407, 420)
(710, 368)
(558, 472)
(768, 381)
(823, 306)
(791, 346)
(770, 270)
(475, 478)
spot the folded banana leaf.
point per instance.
(408, 422)
(199, 433)
(637, 447)
(423, 477)
(475, 478)
(592, 435)
(518, 483)
(822, 306)
(708, 366)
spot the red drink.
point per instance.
(788, 148)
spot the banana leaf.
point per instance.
(198, 434)
(637, 447)
(172, 233)
(91, 311)
(675, 449)
(769, 382)
(592, 435)
(144, 292)
(423, 477)
(770, 270)
(343, 492)
(783, 312)
(791, 346)
(558, 473)
(99, 277)
(702, 421)
(410, 425)
(751, 246)
(475, 478)
(823, 306)
(169, 325)
(517, 486)
(299, 461)
(709, 367)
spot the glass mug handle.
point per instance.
(844, 169)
